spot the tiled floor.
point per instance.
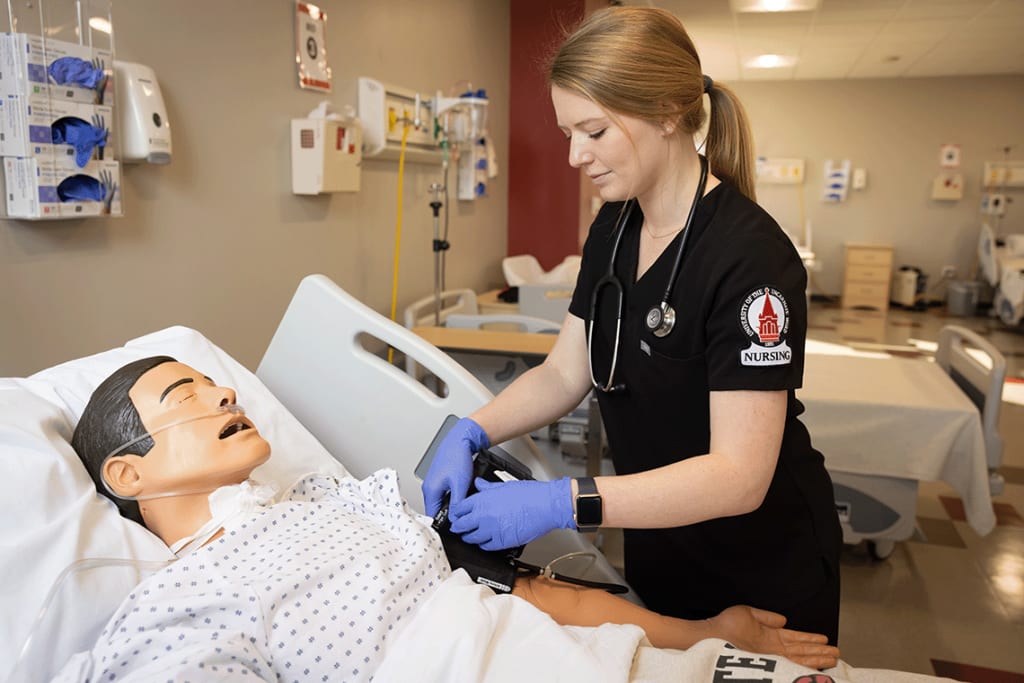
(946, 602)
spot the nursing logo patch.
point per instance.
(765, 320)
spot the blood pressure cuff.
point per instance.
(495, 569)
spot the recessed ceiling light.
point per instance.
(773, 5)
(100, 24)
(770, 62)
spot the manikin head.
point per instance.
(185, 441)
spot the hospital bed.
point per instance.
(322, 390)
(1002, 265)
(884, 424)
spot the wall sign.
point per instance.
(311, 47)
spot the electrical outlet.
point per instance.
(948, 272)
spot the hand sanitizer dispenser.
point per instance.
(144, 132)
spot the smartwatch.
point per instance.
(589, 507)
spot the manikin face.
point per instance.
(217, 449)
(625, 157)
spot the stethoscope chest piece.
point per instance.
(661, 319)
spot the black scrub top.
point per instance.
(741, 322)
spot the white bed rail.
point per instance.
(322, 363)
(980, 374)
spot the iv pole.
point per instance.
(439, 246)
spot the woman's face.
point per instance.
(624, 157)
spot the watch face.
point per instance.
(588, 511)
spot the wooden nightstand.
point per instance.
(867, 275)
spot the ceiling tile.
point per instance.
(853, 38)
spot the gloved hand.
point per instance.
(513, 513)
(452, 467)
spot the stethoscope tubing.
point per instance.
(673, 276)
(610, 280)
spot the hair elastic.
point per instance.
(709, 83)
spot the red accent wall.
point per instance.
(543, 190)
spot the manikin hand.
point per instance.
(757, 630)
(452, 467)
(513, 513)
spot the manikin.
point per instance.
(159, 437)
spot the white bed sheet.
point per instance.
(464, 632)
(898, 417)
(51, 516)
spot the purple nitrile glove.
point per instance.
(452, 467)
(513, 513)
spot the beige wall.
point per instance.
(893, 128)
(216, 240)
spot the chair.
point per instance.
(979, 369)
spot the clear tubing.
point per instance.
(232, 408)
(549, 568)
(73, 568)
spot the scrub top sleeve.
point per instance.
(757, 324)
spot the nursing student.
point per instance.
(689, 320)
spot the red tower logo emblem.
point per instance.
(767, 321)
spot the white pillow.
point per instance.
(51, 515)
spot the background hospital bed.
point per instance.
(884, 424)
(1002, 265)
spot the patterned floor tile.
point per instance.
(1006, 514)
(937, 532)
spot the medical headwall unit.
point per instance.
(435, 128)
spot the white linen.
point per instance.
(310, 588)
(465, 632)
(51, 515)
(898, 417)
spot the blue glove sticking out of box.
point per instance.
(83, 136)
(80, 188)
(84, 188)
(77, 71)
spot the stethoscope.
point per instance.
(661, 319)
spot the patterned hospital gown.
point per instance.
(308, 589)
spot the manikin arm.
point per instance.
(745, 627)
